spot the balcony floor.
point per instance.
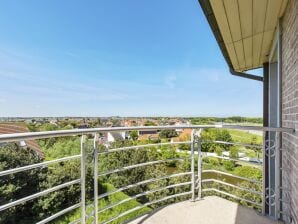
(210, 210)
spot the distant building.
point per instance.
(116, 136)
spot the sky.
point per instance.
(116, 58)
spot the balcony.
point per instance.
(209, 210)
(194, 193)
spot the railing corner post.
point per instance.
(83, 180)
(193, 180)
(199, 166)
(95, 156)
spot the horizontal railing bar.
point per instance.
(232, 175)
(259, 128)
(72, 132)
(232, 196)
(144, 205)
(39, 194)
(143, 146)
(37, 165)
(143, 182)
(233, 143)
(232, 159)
(62, 212)
(143, 194)
(139, 165)
(232, 185)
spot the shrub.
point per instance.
(228, 165)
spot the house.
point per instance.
(263, 34)
(116, 136)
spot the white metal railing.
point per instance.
(196, 175)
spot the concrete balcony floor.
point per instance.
(210, 210)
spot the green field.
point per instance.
(245, 137)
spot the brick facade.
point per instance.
(289, 25)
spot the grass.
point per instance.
(245, 137)
(110, 213)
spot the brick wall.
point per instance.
(290, 109)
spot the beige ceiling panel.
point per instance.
(247, 27)
(282, 8)
(221, 19)
(266, 47)
(233, 56)
(259, 15)
(240, 54)
(273, 8)
(247, 43)
(257, 44)
(231, 8)
(245, 9)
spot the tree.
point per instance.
(253, 143)
(19, 185)
(224, 135)
(134, 135)
(168, 133)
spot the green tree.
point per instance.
(223, 135)
(207, 138)
(168, 133)
(19, 185)
(134, 135)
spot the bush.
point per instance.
(248, 172)
(234, 152)
(211, 160)
(218, 150)
(228, 165)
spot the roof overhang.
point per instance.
(244, 29)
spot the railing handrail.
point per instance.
(71, 132)
(196, 180)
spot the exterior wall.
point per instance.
(289, 25)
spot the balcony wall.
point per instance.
(290, 110)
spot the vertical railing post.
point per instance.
(264, 195)
(193, 181)
(277, 176)
(199, 165)
(95, 156)
(83, 180)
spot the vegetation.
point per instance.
(19, 185)
(230, 120)
(109, 213)
(168, 133)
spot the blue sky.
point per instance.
(127, 58)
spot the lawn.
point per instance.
(245, 137)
